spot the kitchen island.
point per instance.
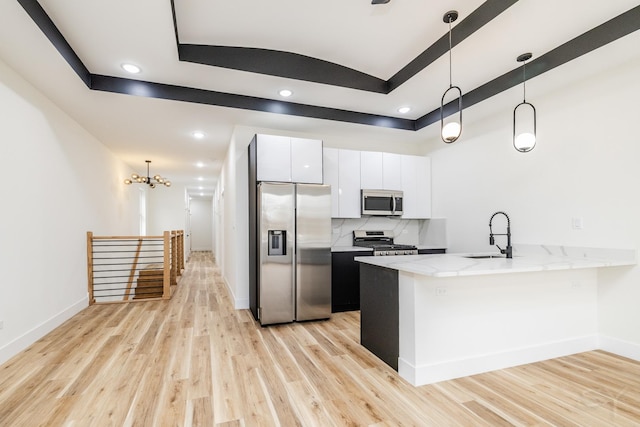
(439, 317)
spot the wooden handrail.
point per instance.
(125, 237)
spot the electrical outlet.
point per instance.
(1, 324)
(440, 291)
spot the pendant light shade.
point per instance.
(524, 115)
(452, 130)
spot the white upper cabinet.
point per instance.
(410, 174)
(331, 169)
(380, 171)
(349, 184)
(273, 158)
(285, 159)
(370, 170)
(342, 172)
(391, 171)
(306, 160)
(416, 185)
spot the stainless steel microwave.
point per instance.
(382, 202)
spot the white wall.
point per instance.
(165, 209)
(58, 182)
(586, 165)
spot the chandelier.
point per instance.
(152, 182)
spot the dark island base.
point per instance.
(379, 321)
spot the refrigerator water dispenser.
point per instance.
(277, 242)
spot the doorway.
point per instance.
(201, 224)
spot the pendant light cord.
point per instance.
(524, 81)
(450, 75)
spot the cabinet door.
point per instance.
(273, 158)
(349, 191)
(331, 174)
(370, 170)
(306, 160)
(416, 185)
(391, 171)
(345, 281)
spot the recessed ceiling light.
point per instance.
(200, 178)
(286, 93)
(200, 164)
(404, 110)
(131, 68)
(198, 134)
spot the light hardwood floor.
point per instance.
(196, 361)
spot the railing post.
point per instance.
(90, 266)
(174, 257)
(166, 279)
(181, 250)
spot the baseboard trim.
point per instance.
(238, 303)
(22, 342)
(620, 347)
(448, 370)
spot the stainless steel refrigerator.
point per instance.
(293, 272)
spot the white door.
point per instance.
(201, 224)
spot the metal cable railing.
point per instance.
(128, 268)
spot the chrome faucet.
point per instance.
(508, 250)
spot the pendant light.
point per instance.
(151, 182)
(524, 125)
(452, 130)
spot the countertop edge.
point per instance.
(459, 265)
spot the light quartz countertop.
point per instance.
(526, 258)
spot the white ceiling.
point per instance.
(378, 40)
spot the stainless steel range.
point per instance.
(381, 242)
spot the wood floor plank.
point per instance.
(196, 361)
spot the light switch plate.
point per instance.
(577, 223)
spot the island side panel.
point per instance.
(379, 312)
(468, 325)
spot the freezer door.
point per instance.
(276, 224)
(313, 251)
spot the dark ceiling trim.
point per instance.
(42, 20)
(611, 30)
(620, 26)
(476, 20)
(300, 67)
(221, 99)
(175, 22)
(281, 64)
